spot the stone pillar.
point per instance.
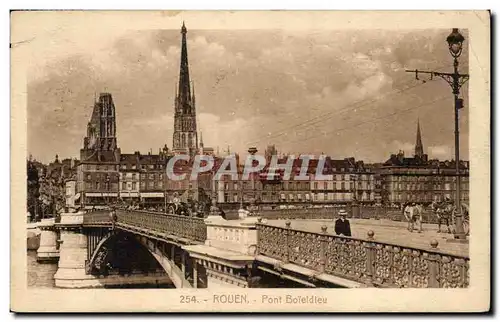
(183, 263)
(47, 252)
(73, 253)
(73, 256)
(195, 273)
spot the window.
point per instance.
(151, 176)
(160, 184)
(134, 187)
(143, 185)
(124, 186)
(315, 186)
(150, 184)
(161, 176)
(88, 177)
(97, 185)
(143, 176)
(325, 186)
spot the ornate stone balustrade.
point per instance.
(363, 260)
(191, 228)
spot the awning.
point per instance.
(152, 195)
(77, 196)
(93, 194)
(129, 194)
(100, 194)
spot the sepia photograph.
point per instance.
(176, 152)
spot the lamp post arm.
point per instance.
(448, 77)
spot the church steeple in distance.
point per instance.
(184, 83)
(419, 148)
(185, 134)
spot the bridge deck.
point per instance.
(386, 231)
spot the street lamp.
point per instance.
(455, 41)
(455, 80)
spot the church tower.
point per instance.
(101, 130)
(185, 139)
(419, 148)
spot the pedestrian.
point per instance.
(342, 226)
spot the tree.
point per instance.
(52, 195)
(33, 187)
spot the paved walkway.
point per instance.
(387, 231)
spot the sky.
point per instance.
(344, 93)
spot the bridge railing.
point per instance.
(98, 218)
(191, 228)
(365, 212)
(364, 260)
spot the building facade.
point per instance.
(98, 171)
(417, 179)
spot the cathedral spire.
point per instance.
(419, 148)
(185, 138)
(184, 83)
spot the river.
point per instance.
(40, 275)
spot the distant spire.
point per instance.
(201, 139)
(193, 97)
(184, 83)
(419, 148)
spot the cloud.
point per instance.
(248, 84)
(441, 152)
(234, 133)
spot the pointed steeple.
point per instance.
(185, 138)
(184, 83)
(419, 148)
(193, 99)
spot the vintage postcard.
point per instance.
(216, 161)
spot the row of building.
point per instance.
(104, 174)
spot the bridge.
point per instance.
(94, 250)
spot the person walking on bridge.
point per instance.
(342, 225)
